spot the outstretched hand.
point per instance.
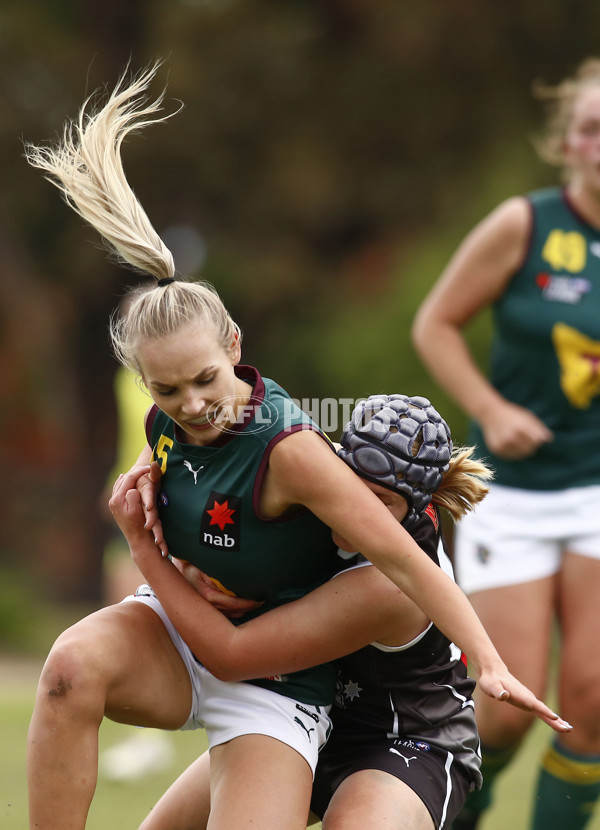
(503, 686)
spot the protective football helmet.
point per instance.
(400, 442)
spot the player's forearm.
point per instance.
(446, 355)
(230, 652)
(209, 634)
(438, 596)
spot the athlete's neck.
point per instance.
(586, 202)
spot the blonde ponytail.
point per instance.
(86, 167)
(463, 485)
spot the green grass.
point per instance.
(513, 797)
(121, 805)
(124, 805)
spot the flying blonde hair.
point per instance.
(86, 166)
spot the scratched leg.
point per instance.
(119, 662)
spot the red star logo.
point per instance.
(543, 280)
(221, 515)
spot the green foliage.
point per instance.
(29, 622)
(21, 614)
(330, 155)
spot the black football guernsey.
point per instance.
(209, 509)
(546, 348)
(418, 694)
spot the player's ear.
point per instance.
(235, 349)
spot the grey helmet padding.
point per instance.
(379, 444)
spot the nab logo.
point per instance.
(220, 526)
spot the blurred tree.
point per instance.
(329, 156)
(58, 419)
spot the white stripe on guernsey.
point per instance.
(447, 766)
(410, 644)
(455, 652)
(466, 702)
(395, 733)
(446, 566)
(445, 563)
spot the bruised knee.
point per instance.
(63, 679)
(73, 675)
(61, 688)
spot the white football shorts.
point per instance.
(516, 536)
(229, 710)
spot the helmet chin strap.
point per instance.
(402, 443)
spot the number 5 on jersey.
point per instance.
(160, 454)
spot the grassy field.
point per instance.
(117, 804)
(124, 804)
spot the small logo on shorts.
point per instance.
(310, 714)
(308, 731)
(483, 554)
(407, 743)
(404, 758)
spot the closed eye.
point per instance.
(163, 393)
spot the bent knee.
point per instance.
(70, 674)
(581, 706)
(82, 662)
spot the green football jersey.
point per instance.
(546, 349)
(209, 509)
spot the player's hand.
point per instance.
(148, 485)
(501, 685)
(126, 504)
(511, 431)
(229, 605)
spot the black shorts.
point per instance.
(441, 783)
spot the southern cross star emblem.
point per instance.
(352, 690)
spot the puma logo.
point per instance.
(308, 731)
(188, 466)
(404, 758)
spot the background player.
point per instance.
(531, 552)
